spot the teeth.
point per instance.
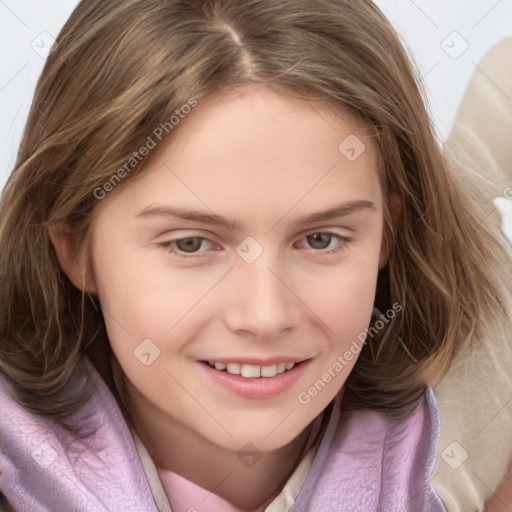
(252, 370)
(269, 371)
(233, 368)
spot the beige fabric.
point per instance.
(486, 110)
(475, 409)
(157, 490)
(475, 397)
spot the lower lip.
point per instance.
(257, 387)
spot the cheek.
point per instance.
(343, 299)
(145, 299)
(145, 295)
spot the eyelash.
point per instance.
(170, 245)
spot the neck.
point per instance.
(220, 471)
(212, 467)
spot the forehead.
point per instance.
(255, 151)
(256, 116)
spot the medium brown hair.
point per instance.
(122, 67)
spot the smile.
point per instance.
(252, 371)
(251, 380)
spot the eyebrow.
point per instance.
(340, 210)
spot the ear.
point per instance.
(395, 207)
(69, 259)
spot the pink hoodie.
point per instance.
(365, 462)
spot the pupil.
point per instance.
(319, 238)
(189, 244)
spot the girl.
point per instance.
(234, 264)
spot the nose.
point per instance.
(261, 302)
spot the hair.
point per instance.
(121, 68)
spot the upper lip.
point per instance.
(256, 361)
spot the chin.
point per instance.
(262, 439)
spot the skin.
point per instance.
(265, 161)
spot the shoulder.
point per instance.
(375, 463)
(43, 466)
(364, 429)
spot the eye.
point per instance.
(322, 240)
(189, 247)
(185, 247)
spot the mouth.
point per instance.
(252, 371)
(255, 381)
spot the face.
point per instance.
(236, 273)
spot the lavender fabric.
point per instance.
(364, 462)
(367, 463)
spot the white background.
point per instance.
(423, 25)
